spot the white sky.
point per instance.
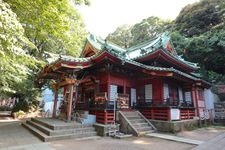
(104, 16)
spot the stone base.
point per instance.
(175, 126)
(102, 129)
(219, 122)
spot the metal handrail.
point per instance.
(77, 116)
(46, 114)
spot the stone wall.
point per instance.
(175, 126)
(102, 130)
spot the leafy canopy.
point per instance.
(127, 36)
(53, 26)
(16, 66)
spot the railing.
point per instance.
(99, 105)
(106, 105)
(164, 103)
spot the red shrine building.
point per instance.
(150, 78)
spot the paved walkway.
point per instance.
(14, 137)
(39, 146)
(217, 143)
(175, 138)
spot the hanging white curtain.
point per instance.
(148, 93)
(165, 91)
(180, 94)
(187, 96)
(133, 96)
(113, 92)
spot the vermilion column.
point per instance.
(69, 106)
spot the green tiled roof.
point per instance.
(101, 44)
(131, 54)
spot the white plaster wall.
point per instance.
(209, 99)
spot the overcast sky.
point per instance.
(104, 16)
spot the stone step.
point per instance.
(146, 128)
(47, 138)
(59, 127)
(137, 125)
(133, 117)
(130, 113)
(127, 112)
(137, 121)
(47, 131)
(142, 133)
(70, 136)
(35, 131)
(42, 123)
(40, 127)
(74, 131)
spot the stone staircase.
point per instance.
(52, 129)
(134, 122)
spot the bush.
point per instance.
(5, 108)
(20, 114)
(21, 105)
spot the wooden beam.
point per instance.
(159, 73)
(69, 106)
(67, 81)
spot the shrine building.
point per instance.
(150, 78)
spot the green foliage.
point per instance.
(148, 28)
(27, 29)
(17, 67)
(12, 39)
(122, 36)
(21, 106)
(53, 26)
(5, 108)
(197, 18)
(127, 36)
(20, 114)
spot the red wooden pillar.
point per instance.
(105, 117)
(108, 86)
(196, 101)
(55, 102)
(188, 114)
(152, 113)
(69, 106)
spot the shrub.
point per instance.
(21, 105)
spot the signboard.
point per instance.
(175, 114)
(219, 110)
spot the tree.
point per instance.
(148, 28)
(16, 66)
(12, 39)
(199, 17)
(140, 32)
(53, 26)
(121, 36)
